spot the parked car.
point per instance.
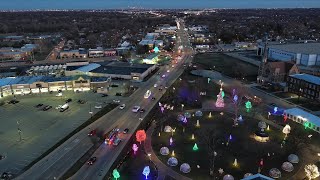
(80, 101)
(142, 110)
(98, 106)
(122, 106)
(13, 101)
(46, 108)
(118, 94)
(116, 101)
(104, 95)
(92, 160)
(155, 85)
(38, 105)
(114, 85)
(116, 141)
(163, 76)
(153, 98)
(68, 100)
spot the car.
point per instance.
(68, 100)
(142, 111)
(59, 107)
(168, 71)
(158, 73)
(122, 106)
(46, 108)
(98, 106)
(155, 85)
(125, 131)
(80, 101)
(116, 101)
(104, 95)
(172, 66)
(13, 101)
(135, 109)
(160, 89)
(118, 94)
(92, 133)
(38, 105)
(114, 85)
(153, 98)
(116, 141)
(163, 76)
(92, 160)
(147, 94)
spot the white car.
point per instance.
(168, 70)
(155, 85)
(98, 106)
(136, 109)
(163, 76)
(116, 101)
(147, 94)
(122, 106)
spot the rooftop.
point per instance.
(308, 78)
(89, 67)
(257, 177)
(303, 48)
(305, 115)
(122, 68)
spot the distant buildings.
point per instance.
(307, 54)
(10, 53)
(73, 54)
(277, 72)
(304, 85)
(151, 59)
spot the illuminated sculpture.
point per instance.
(135, 148)
(141, 136)
(275, 110)
(209, 80)
(156, 49)
(248, 106)
(115, 174)
(235, 162)
(195, 147)
(146, 171)
(312, 171)
(286, 130)
(171, 141)
(198, 123)
(220, 101)
(285, 117)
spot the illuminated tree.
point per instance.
(141, 136)
(116, 174)
(146, 171)
(311, 171)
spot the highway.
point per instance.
(61, 159)
(107, 154)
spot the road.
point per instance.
(106, 155)
(61, 159)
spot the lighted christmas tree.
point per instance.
(248, 106)
(220, 101)
(116, 174)
(195, 147)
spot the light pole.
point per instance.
(182, 105)
(90, 112)
(149, 155)
(19, 131)
(300, 91)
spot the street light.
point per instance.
(149, 155)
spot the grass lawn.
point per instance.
(242, 146)
(285, 95)
(227, 65)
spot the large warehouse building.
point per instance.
(307, 54)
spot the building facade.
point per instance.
(304, 85)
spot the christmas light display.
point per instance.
(248, 106)
(141, 136)
(115, 174)
(146, 171)
(195, 147)
(135, 148)
(220, 101)
(171, 141)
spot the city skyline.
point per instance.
(154, 4)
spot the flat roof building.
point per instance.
(304, 85)
(302, 117)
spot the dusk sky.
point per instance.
(115, 4)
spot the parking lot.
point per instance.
(42, 129)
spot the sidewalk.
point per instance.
(163, 170)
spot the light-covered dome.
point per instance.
(185, 168)
(228, 177)
(172, 161)
(167, 129)
(198, 113)
(164, 151)
(293, 158)
(275, 173)
(187, 114)
(247, 175)
(287, 166)
(262, 125)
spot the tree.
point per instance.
(209, 137)
(141, 136)
(312, 171)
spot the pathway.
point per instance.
(163, 170)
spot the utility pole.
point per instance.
(19, 131)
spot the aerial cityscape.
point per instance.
(160, 90)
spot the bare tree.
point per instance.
(209, 137)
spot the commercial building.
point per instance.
(116, 70)
(73, 54)
(151, 43)
(40, 84)
(307, 54)
(166, 30)
(98, 52)
(151, 59)
(302, 117)
(304, 85)
(277, 72)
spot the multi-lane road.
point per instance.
(60, 160)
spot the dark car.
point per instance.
(92, 133)
(38, 105)
(92, 160)
(46, 108)
(125, 131)
(81, 101)
(104, 95)
(160, 89)
(68, 100)
(153, 98)
(13, 101)
(59, 91)
(118, 94)
(142, 110)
